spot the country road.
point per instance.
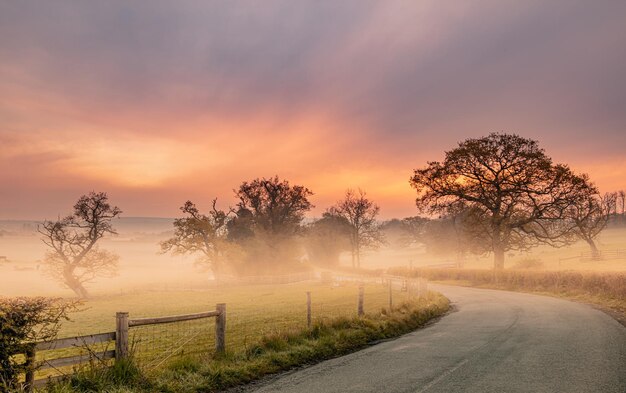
(494, 341)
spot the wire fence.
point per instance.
(270, 311)
(252, 312)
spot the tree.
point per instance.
(74, 258)
(23, 321)
(590, 215)
(360, 213)
(203, 234)
(518, 197)
(327, 238)
(272, 205)
(268, 221)
(405, 232)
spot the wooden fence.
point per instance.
(415, 286)
(120, 336)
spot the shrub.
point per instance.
(24, 321)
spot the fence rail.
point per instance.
(385, 292)
(79, 341)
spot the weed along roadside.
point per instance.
(219, 349)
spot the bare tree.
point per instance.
(203, 234)
(622, 199)
(517, 196)
(360, 213)
(74, 258)
(590, 215)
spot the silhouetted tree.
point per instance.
(74, 258)
(268, 220)
(205, 234)
(326, 239)
(514, 190)
(590, 215)
(360, 213)
(405, 232)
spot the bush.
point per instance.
(24, 321)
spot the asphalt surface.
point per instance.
(494, 341)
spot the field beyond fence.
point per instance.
(156, 334)
(605, 289)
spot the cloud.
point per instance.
(193, 97)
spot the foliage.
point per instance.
(326, 239)
(516, 196)
(360, 212)
(268, 224)
(74, 258)
(204, 234)
(26, 320)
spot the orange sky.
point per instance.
(161, 104)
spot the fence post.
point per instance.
(390, 294)
(308, 310)
(29, 379)
(220, 328)
(121, 335)
(360, 303)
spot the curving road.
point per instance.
(494, 341)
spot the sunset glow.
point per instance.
(163, 104)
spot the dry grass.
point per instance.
(604, 289)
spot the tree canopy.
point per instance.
(203, 234)
(518, 197)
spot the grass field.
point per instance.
(253, 312)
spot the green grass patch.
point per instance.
(270, 353)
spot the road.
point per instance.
(494, 341)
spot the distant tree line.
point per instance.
(489, 195)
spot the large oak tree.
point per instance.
(517, 196)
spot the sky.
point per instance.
(158, 102)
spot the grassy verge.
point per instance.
(604, 290)
(272, 353)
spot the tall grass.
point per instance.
(603, 284)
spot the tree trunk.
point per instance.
(595, 253)
(358, 256)
(498, 249)
(498, 258)
(75, 285)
